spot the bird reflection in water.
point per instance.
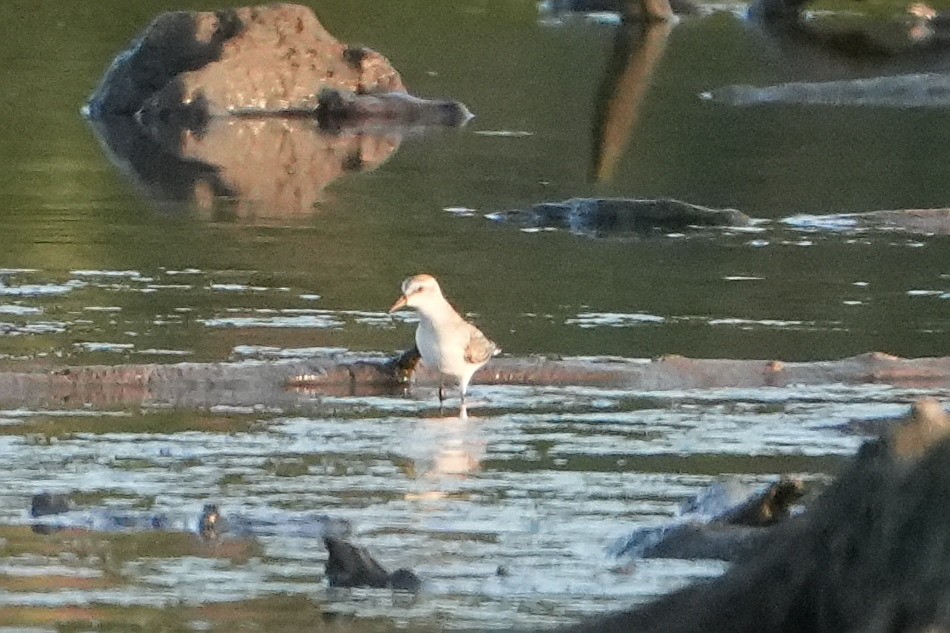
(444, 451)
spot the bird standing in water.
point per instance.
(447, 342)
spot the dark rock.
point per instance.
(352, 566)
(47, 503)
(405, 580)
(266, 58)
(613, 216)
(871, 554)
(694, 541)
(186, 67)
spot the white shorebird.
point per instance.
(447, 342)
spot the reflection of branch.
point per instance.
(625, 84)
(656, 9)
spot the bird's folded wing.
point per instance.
(479, 348)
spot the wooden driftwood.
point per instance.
(871, 554)
(203, 385)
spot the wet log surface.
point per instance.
(203, 385)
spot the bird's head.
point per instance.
(418, 291)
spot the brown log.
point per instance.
(202, 385)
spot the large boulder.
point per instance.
(190, 65)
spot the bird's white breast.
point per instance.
(443, 348)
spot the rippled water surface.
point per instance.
(508, 511)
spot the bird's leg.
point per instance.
(441, 391)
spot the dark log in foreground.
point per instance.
(731, 533)
(202, 385)
(871, 554)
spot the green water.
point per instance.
(65, 207)
(783, 293)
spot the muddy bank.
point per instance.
(201, 385)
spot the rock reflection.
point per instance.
(267, 167)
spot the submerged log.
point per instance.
(871, 554)
(601, 216)
(202, 385)
(617, 217)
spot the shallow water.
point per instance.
(540, 482)
(95, 269)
